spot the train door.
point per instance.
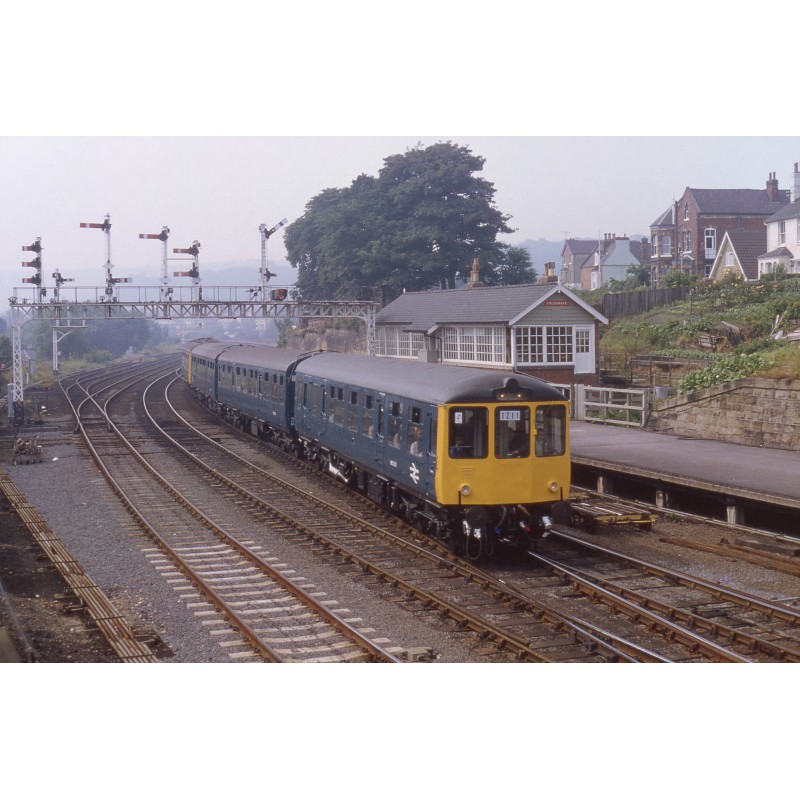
(379, 440)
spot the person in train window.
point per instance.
(518, 444)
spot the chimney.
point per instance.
(475, 275)
(796, 184)
(772, 188)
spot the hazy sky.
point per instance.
(218, 190)
(214, 121)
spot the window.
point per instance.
(710, 237)
(729, 259)
(395, 424)
(545, 344)
(338, 408)
(512, 432)
(352, 412)
(551, 429)
(686, 211)
(582, 341)
(666, 245)
(782, 232)
(468, 432)
(482, 344)
(414, 442)
(391, 341)
(368, 417)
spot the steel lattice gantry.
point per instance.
(70, 313)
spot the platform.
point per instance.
(756, 473)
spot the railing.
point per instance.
(627, 407)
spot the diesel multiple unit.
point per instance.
(475, 457)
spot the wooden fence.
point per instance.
(627, 304)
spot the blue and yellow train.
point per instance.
(474, 457)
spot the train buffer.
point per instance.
(589, 511)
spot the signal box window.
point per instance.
(468, 432)
(512, 432)
(551, 431)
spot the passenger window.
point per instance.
(395, 424)
(368, 418)
(468, 432)
(352, 412)
(414, 442)
(551, 431)
(512, 432)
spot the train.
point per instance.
(475, 458)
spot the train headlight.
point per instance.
(465, 490)
(554, 486)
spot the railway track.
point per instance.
(694, 645)
(260, 613)
(564, 610)
(755, 628)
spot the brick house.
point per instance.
(687, 235)
(539, 329)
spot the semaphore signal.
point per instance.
(162, 237)
(105, 226)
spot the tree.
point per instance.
(676, 278)
(416, 225)
(515, 266)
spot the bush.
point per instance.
(727, 368)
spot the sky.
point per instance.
(219, 190)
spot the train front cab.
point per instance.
(506, 463)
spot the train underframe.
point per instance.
(475, 532)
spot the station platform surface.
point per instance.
(757, 473)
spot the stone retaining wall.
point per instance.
(752, 411)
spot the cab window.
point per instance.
(512, 432)
(551, 431)
(468, 432)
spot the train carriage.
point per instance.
(476, 457)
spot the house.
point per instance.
(738, 254)
(699, 220)
(539, 329)
(610, 260)
(783, 236)
(591, 263)
(573, 255)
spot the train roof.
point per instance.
(435, 383)
(248, 354)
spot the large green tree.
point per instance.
(415, 226)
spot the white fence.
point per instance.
(629, 407)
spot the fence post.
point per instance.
(578, 397)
